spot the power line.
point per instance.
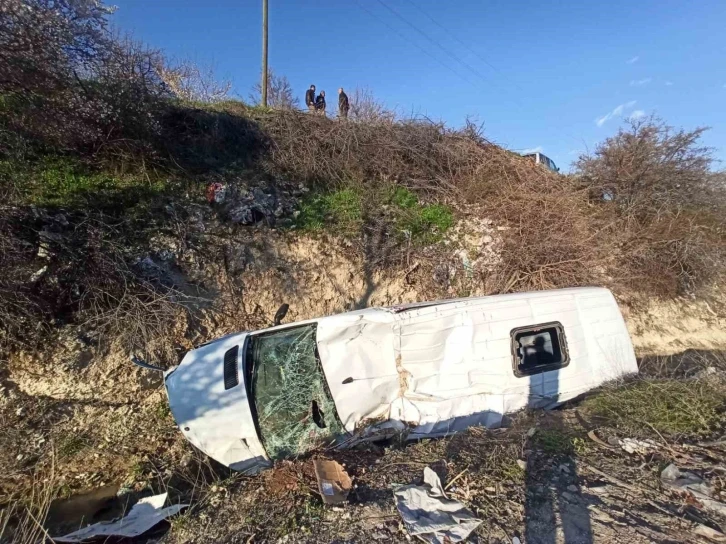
(433, 41)
(456, 38)
(516, 102)
(404, 38)
(508, 97)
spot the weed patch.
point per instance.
(395, 206)
(674, 408)
(554, 441)
(72, 444)
(57, 181)
(341, 209)
(161, 410)
(428, 224)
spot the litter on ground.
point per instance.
(430, 515)
(143, 516)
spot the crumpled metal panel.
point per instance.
(357, 348)
(451, 363)
(458, 361)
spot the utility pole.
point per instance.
(264, 53)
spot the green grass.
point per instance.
(72, 444)
(402, 198)
(428, 224)
(342, 211)
(509, 469)
(665, 407)
(554, 441)
(161, 410)
(57, 181)
(424, 224)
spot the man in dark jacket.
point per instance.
(343, 105)
(310, 98)
(320, 103)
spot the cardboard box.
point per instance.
(334, 483)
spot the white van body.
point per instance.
(429, 368)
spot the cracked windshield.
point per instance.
(294, 408)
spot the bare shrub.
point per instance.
(280, 94)
(139, 314)
(648, 165)
(22, 315)
(364, 106)
(551, 237)
(88, 278)
(68, 83)
(665, 207)
(45, 44)
(419, 154)
(22, 519)
(192, 82)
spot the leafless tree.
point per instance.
(72, 83)
(280, 94)
(193, 82)
(45, 43)
(366, 107)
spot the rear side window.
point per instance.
(539, 348)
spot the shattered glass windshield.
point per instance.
(295, 411)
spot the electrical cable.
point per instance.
(404, 38)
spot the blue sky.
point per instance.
(558, 76)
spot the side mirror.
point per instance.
(280, 314)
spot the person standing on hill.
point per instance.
(320, 103)
(343, 104)
(310, 98)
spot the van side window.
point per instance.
(539, 348)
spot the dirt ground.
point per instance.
(96, 431)
(542, 480)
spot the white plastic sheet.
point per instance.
(143, 516)
(430, 515)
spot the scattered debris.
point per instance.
(598, 440)
(250, 206)
(333, 481)
(38, 274)
(430, 515)
(143, 516)
(709, 533)
(693, 486)
(215, 193)
(632, 445)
